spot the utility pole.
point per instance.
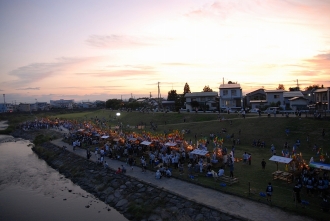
(4, 102)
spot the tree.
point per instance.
(172, 95)
(113, 103)
(186, 89)
(207, 89)
(311, 87)
(232, 82)
(280, 87)
(294, 88)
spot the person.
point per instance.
(221, 171)
(263, 164)
(158, 175)
(325, 206)
(269, 192)
(88, 154)
(168, 173)
(119, 171)
(231, 169)
(249, 158)
(106, 165)
(296, 192)
(123, 169)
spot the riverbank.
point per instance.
(137, 200)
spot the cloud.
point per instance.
(28, 88)
(124, 41)
(36, 72)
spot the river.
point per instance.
(31, 190)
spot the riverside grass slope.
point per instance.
(252, 179)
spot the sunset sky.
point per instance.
(103, 49)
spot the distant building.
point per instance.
(298, 103)
(256, 99)
(288, 98)
(230, 96)
(66, 104)
(322, 99)
(275, 96)
(7, 107)
(168, 105)
(204, 99)
(24, 107)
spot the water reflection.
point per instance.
(31, 190)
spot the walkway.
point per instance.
(233, 205)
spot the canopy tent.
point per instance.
(146, 143)
(116, 139)
(320, 165)
(132, 139)
(80, 130)
(199, 152)
(105, 137)
(280, 159)
(170, 144)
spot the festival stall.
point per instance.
(200, 152)
(281, 174)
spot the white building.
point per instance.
(230, 96)
(275, 96)
(68, 104)
(204, 99)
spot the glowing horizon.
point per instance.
(84, 50)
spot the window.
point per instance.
(233, 92)
(225, 92)
(276, 96)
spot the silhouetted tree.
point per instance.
(172, 95)
(280, 87)
(207, 89)
(311, 87)
(186, 89)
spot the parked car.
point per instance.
(254, 110)
(271, 110)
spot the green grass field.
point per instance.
(252, 179)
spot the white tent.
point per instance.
(170, 144)
(132, 139)
(146, 143)
(280, 159)
(105, 137)
(199, 152)
(320, 165)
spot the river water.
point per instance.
(31, 190)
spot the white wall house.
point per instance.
(288, 95)
(322, 98)
(274, 96)
(205, 99)
(230, 96)
(298, 103)
(62, 103)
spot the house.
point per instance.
(168, 105)
(6, 107)
(24, 107)
(230, 96)
(322, 99)
(287, 99)
(256, 99)
(275, 96)
(68, 104)
(207, 100)
(298, 103)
